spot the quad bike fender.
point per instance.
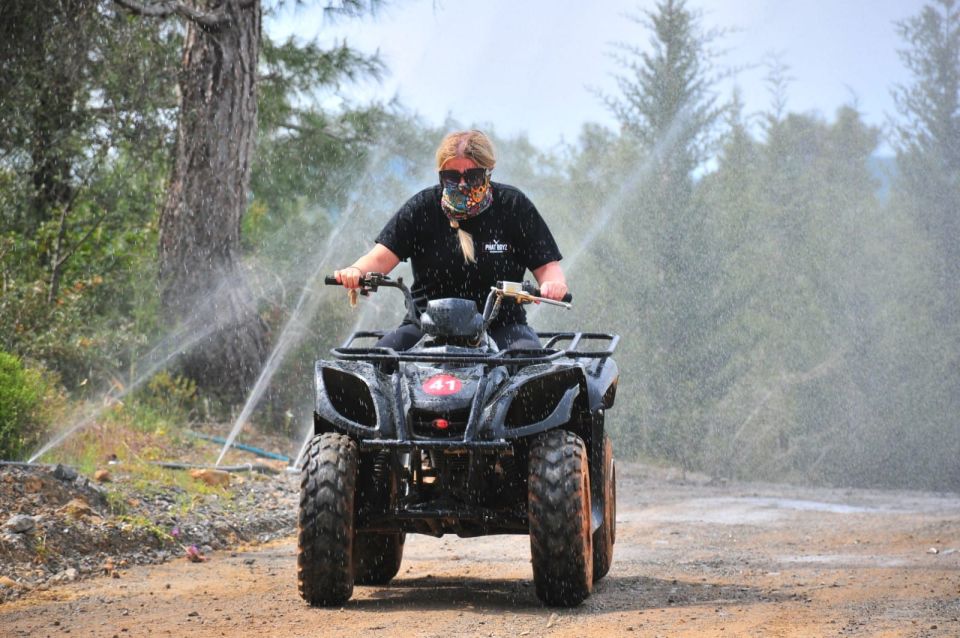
(598, 473)
(536, 399)
(560, 416)
(602, 376)
(571, 396)
(349, 400)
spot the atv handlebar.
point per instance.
(521, 292)
(369, 282)
(373, 280)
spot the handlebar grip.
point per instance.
(567, 298)
(331, 280)
(535, 291)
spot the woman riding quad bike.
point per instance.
(460, 421)
(457, 436)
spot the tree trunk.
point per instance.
(203, 285)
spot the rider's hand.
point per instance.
(349, 277)
(554, 290)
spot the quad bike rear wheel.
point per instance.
(559, 516)
(606, 535)
(377, 557)
(325, 539)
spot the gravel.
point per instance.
(57, 526)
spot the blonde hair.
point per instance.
(473, 145)
(476, 146)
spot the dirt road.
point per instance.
(691, 560)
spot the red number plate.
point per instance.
(442, 385)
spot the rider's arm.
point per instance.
(380, 259)
(553, 285)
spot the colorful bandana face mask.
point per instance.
(465, 198)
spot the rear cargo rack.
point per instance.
(549, 352)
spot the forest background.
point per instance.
(787, 300)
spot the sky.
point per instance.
(539, 66)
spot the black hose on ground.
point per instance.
(28, 464)
(241, 446)
(246, 467)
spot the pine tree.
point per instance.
(667, 112)
(928, 134)
(927, 190)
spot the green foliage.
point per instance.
(143, 523)
(85, 134)
(22, 391)
(78, 256)
(310, 166)
(780, 321)
(930, 107)
(71, 94)
(116, 502)
(306, 157)
(110, 280)
(922, 401)
(41, 552)
(928, 137)
(165, 404)
(808, 204)
(293, 242)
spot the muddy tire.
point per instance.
(377, 558)
(558, 502)
(606, 534)
(325, 525)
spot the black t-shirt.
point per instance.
(509, 238)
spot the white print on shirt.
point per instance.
(496, 247)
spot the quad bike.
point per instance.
(457, 436)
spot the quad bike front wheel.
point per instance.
(606, 534)
(325, 524)
(558, 502)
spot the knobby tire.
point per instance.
(325, 525)
(559, 516)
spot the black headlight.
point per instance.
(538, 398)
(350, 396)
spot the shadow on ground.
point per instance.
(612, 594)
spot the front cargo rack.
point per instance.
(549, 352)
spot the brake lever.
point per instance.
(514, 290)
(371, 282)
(552, 302)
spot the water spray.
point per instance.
(166, 351)
(292, 332)
(365, 311)
(627, 187)
(201, 324)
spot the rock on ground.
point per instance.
(59, 526)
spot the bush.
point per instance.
(22, 392)
(167, 402)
